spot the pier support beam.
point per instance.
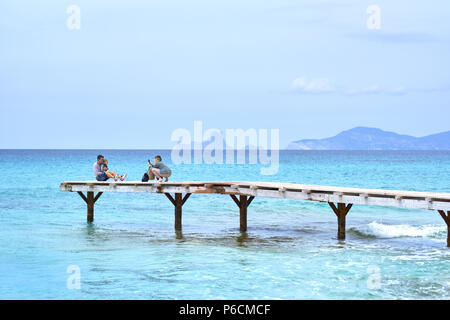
(446, 218)
(341, 212)
(243, 204)
(178, 204)
(90, 200)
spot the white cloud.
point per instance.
(326, 86)
(319, 85)
(375, 89)
(398, 90)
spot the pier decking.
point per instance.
(243, 193)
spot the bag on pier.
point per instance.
(148, 176)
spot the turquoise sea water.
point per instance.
(289, 252)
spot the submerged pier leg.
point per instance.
(90, 206)
(90, 201)
(341, 212)
(178, 211)
(243, 213)
(243, 204)
(178, 204)
(446, 218)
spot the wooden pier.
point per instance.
(243, 193)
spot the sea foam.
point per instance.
(381, 230)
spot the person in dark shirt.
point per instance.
(109, 173)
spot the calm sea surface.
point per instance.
(289, 252)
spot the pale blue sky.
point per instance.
(138, 70)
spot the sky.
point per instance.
(136, 71)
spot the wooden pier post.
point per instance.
(178, 204)
(90, 206)
(341, 212)
(90, 201)
(243, 204)
(243, 213)
(446, 218)
(178, 211)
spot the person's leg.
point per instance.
(102, 177)
(157, 173)
(165, 175)
(114, 175)
(112, 172)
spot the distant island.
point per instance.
(364, 138)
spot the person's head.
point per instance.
(100, 159)
(105, 161)
(158, 158)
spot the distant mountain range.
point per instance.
(363, 138)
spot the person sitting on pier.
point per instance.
(99, 173)
(159, 169)
(111, 174)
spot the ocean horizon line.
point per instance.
(168, 149)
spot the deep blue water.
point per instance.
(289, 252)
